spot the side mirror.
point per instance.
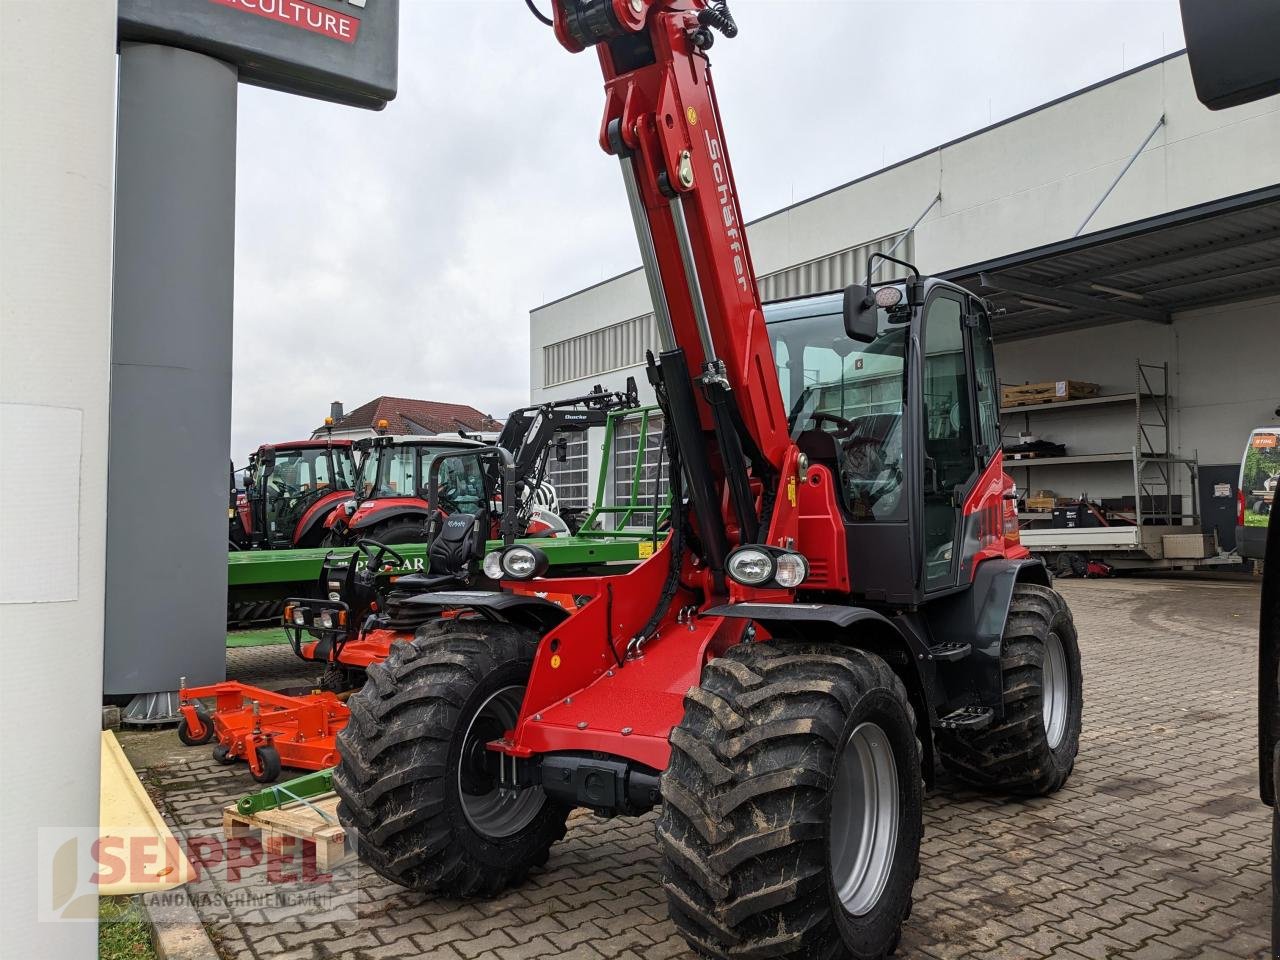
(1232, 50)
(861, 315)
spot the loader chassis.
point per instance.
(842, 590)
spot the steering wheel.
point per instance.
(377, 553)
(844, 429)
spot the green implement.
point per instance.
(300, 789)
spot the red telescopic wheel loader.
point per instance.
(842, 597)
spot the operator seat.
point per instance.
(460, 540)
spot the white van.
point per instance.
(1259, 477)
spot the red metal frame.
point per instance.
(998, 516)
(300, 728)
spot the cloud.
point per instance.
(399, 252)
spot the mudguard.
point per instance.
(977, 616)
(534, 612)
(318, 512)
(820, 622)
(390, 513)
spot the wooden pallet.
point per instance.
(295, 824)
(1053, 391)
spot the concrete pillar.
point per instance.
(170, 370)
(57, 90)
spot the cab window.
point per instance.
(852, 395)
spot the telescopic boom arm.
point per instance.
(662, 123)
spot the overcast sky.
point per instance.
(399, 252)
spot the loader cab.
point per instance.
(904, 414)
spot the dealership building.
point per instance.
(1129, 238)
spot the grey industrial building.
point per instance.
(1178, 269)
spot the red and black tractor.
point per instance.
(841, 599)
(289, 490)
(389, 503)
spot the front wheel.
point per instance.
(792, 805)
(1032, 749)
(415, 782)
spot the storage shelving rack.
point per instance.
(1154, 468)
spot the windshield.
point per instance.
(306, 472)
(851, 395)
(401, 471)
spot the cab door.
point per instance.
(949, 441)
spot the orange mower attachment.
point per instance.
(266, 729)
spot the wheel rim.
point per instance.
(1055, 684)
(864, 819)
(492, 811)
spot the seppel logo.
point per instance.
(222, 875)
(304, 15)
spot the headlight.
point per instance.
(751, 566)
(492, 565)
(524, 563)
(790, 570)
(349, 506)
(299, 616)
(325, 619)
(758, 566)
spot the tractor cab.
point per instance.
(289, 490)
(892, 388)
(390, 502)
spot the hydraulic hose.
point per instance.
(542, 17)
(717, 17)
(675, 550)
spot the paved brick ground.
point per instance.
(1156, 849)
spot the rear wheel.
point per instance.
(1033, 748)
(416, 784)
(792, 805)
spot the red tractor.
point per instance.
(289, 491)
(389, 504)
(841, 599)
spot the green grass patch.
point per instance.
(265, 637)
(124, 932)
(1252, 519)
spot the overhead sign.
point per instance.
(303, 15)
(341, 50)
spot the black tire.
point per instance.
(747, 830)
(196, 738)
(412, 530)
(222, 755)
(401, 769)
(1014, 755)
(269, 765)
(1072, 565)
(332, 539)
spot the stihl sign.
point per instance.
(302, 14)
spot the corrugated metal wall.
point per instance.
(623, 345)
(833, 272)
